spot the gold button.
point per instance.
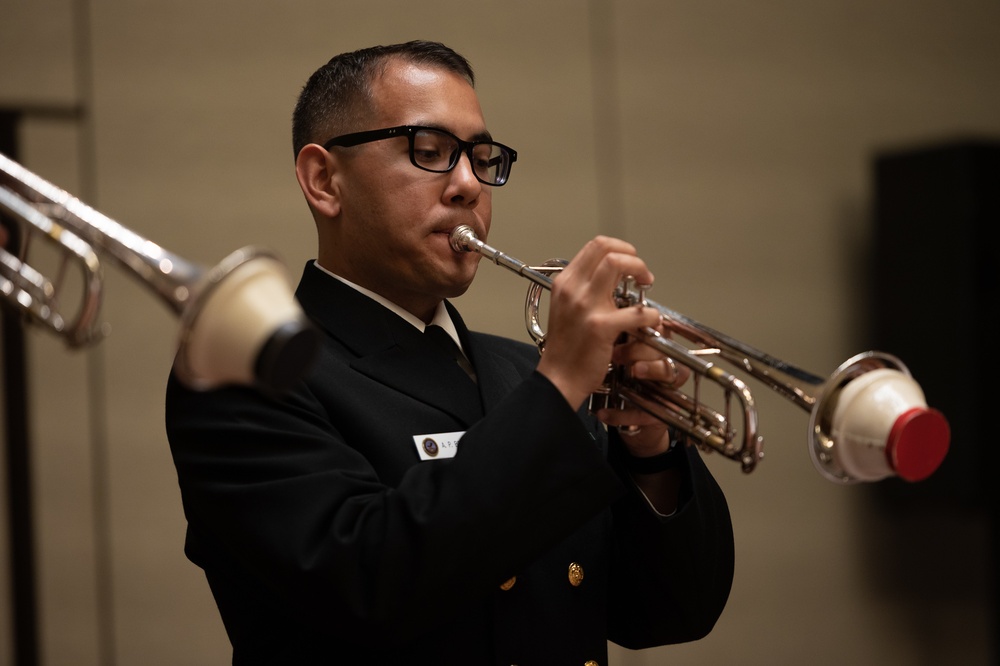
(591, 663)
(509, 583)
(575, 574)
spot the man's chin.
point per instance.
(459, 286)
(458, 290)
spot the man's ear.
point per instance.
(316, 171)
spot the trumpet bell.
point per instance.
(872, 422)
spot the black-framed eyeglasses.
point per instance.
(438, 151)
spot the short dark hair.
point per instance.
(338, 96)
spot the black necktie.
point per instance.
(440, 337)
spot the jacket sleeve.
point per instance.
(275, 497)
(672, 575)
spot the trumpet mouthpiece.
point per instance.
(462, 237)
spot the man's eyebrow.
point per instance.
(480, 136)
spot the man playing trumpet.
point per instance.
(415, 500)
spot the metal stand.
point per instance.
(24, 608)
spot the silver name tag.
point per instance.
(437, 445)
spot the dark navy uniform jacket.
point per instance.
(327, 540)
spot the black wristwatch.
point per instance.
(661, 462)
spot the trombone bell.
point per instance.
(240, 323)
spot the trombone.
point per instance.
(867, 421)
(240, 323)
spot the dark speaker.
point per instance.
(934, 298)
(934, 304)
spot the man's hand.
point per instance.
(584, 321)
(644, 435)
(581, 342)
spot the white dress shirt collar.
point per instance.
(441, 317)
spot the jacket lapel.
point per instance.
(497, 375)
(425, 373)
(387, 348)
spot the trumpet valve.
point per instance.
(607, 396)
(629, 292)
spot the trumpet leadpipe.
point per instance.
(464, 239)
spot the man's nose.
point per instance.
(463, 176)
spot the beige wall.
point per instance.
(731, 142)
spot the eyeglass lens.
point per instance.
(437, 151)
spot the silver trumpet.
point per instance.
(240, 323)
(867, 421)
